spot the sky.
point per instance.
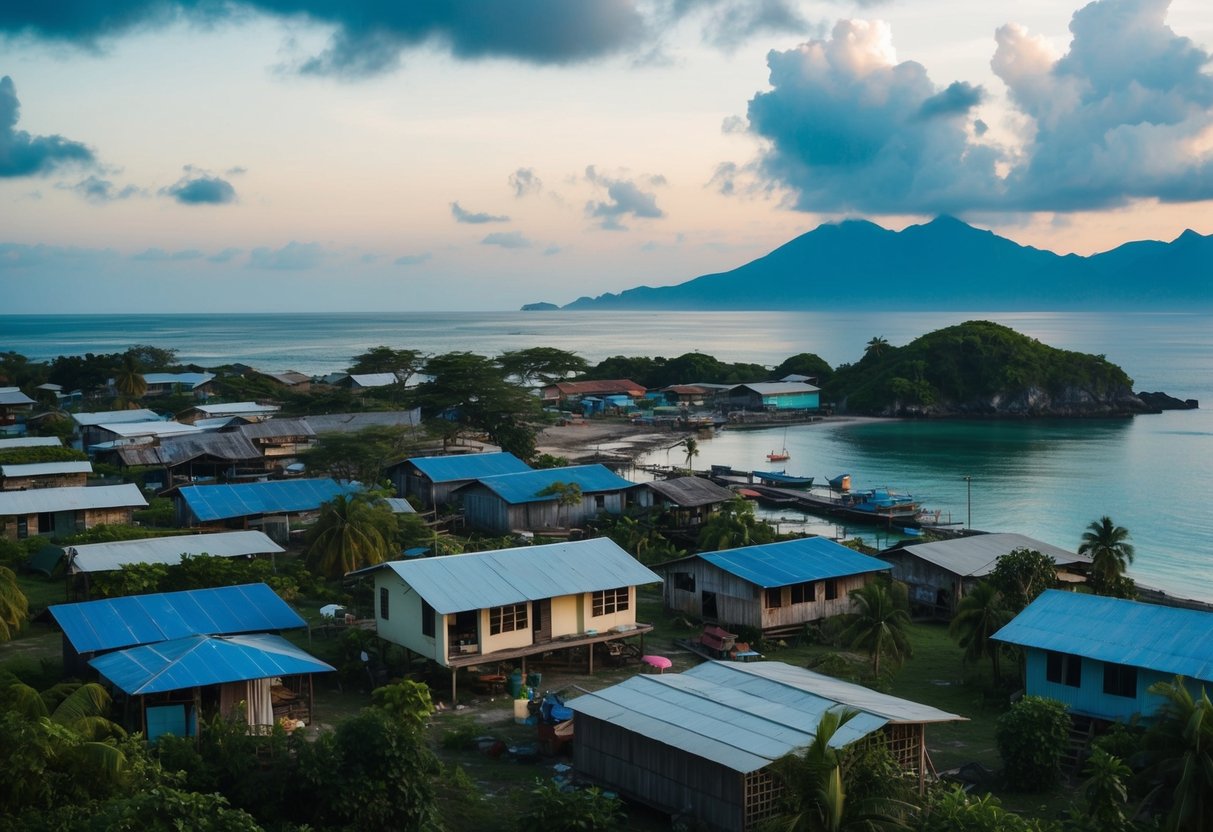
(304, 155)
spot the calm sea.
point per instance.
(1048, 479)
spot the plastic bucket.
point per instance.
(515, 684)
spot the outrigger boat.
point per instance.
(783, 479)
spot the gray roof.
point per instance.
(14, 396)
(104, 557)
(271, 428)
(235, 409)
(742, 716)
(1168, 640)
(129, 429)
(30, 442)
(974, 556)
(479, 580)
(233, 447)
(46, 469)
(689, 492)
(399, 505)
(289, 377)
(350, 422)
(373, 379)
(74, 498)
(114, 417)
(777, 388)
(190, 380)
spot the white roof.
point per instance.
(13, 395)
(236, 408)
(128, 429)
(114, 417)
(974, 556)
(374, 379)
(75, 498)
(190, 380)
(30, 442)
(103, 557)
(777, 388)
(45, 469)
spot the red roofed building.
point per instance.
(578, 389)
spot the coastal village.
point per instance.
(562, 639)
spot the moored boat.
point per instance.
(783, 479)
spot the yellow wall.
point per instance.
(503, 641)
(567, 615)
(602, 623)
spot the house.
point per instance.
(266, 504)
(115, 435)
(354, 422)
(87, 424)
(64, 511)
(30, 442)
(577, 390)
(775, 395)
(1099, 656)
(533, 500)
(773, 587)
(486, 607)
(162, 651)
(365, 381)
(247, 411)
(190, 458)
(278, 439)
(431, 479)
(689, 500)
(687, 394)
(293, 379)
(939, 574)
(162, 384)
(14, 405)
(700, 744)
(44, 475)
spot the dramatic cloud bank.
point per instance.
(24, 155)
(1125, 114)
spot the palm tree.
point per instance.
(1108, 546)
(732, 526)
(876, 347)
(353, 531)
(979, 615)
(14, 606)
(878, 624)
(692, 448)
(128, 381)
(1179, 748)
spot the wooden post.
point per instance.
(454, 670)
(922, 758)
(590, 650)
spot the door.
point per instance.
(541, 621)
(708, 602)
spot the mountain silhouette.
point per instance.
(943, 264)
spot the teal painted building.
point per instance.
(1099, 656)
(778, 395)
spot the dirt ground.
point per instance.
(586, 440)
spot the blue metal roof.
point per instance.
(144, 619)
(195, 661)
(222, 502)
(478, 580)
(792, 562)
(1165, 639)
(525, 487)
(468, 466)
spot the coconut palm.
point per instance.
(1179, 749)
(732, 526)
(1108, 546)
(979, 615)
(128, 381)
(876, 347)
(692, 449)
(879, 621)
(353, 531)
(14, 606)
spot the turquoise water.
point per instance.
(1047, 479)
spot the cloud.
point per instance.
(724, 178)
(733, 125)
(475, 218)
(524, 181)
(957, 99)
(624, 198)
(159, 255)
(196, 188)
(738, 21)
(412, 259)
(506, 239)
(225, 256)
(98, 190)
(552, 250)
(1125, 114)
(24, 155)
(68, 258)
(291, 257)
(846, 131)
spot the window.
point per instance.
(608, 601)
(600, 501)
(22, 527)
(383, 606)
(831, 590)
(804, 593)
(774, 597)
(427, 619)
(684, 581)
(1063, 669)
(507, 619)
(1120, 680)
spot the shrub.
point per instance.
(550, 809)
(460, 733)
(1031, 737)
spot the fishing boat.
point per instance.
(842, 482)
(783, 479)
(781, 455)
(881, 502)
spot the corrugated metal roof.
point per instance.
(289, 377)
(191, 380)
(13, 396)
(399, 505)
(221, 502)
(373, 379)
(111, 623)
(351, 422)
(74, 498)
(1169, 640)
(129, 429)
(975, 555)
(196, 661)
(468, 466)
(739, 721)
(116, 417)
(43, 469)
(689, 492)
(525, 486)
(478, 580)
(778, 388)
(792, 562)
(233, 447)
(272, 428)
(235, 408)
(601, 387)
(103, 557)
(30, 442)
